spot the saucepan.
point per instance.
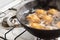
(23, 12)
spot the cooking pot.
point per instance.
(43, 34)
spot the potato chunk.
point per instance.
(33, 18)
(40, 12)
(47, 19)
(58, 24)
(38, 26)
(52, 11)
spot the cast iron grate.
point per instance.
(10, 31)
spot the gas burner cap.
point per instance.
(12, 21)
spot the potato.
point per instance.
(58, 24)
(33, 18)
(52, 11)
(47, 19)
(38, 26)
(40, 12)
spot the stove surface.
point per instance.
(16, 31)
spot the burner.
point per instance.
(46, 39)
